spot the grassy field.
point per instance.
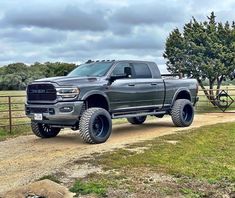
(195, 163)
(12, 93)
(17, 97)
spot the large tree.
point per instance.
(203, 50)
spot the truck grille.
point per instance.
(38, 110)
(41, 92)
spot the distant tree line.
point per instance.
(17, 76)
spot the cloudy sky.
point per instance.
(78, 30)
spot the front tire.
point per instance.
(137, 120)
(95, 126)
(44, 130)
(182, 113)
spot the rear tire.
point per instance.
(137, 120)
(95, 125)
(44, 130)
(182, 113)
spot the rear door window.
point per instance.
(141, 70)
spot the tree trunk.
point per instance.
(209, 93)
(219, 83)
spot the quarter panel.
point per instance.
(173, 85)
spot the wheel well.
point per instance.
(97, 100)
(183, 95)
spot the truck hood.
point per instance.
(70, 81)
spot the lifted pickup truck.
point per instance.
(94, 93)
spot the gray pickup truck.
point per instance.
(96, 92)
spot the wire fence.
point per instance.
(12, 112)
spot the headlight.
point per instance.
(67, 92)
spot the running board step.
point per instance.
(138, 114)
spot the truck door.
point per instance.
(121, 92)
(149, 90)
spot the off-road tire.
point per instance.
(182, 113)
(44, 130)
(95, 125)
(137, 120)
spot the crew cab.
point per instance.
(94, 93)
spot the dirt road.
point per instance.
(27, 158)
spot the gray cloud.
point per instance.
(132, 42)
(32, 35)
(120, 28)
(142, 41)
(78, 30)
(156, 12)
(67, 18)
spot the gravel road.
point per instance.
(27, 158)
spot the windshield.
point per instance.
(96, 69)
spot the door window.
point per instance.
(119, 69)
(142, 70)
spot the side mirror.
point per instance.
(127, 74)
(127, 71)
(113, 78)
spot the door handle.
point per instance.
(153, 83)
(132, 85)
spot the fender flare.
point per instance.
(178, 92)
(96, 92)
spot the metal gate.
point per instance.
(222, 100)
(12, 114)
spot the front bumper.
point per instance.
(55, 114)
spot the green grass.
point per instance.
(189, 193)
(97, 184)
(206, 153)
(201, 163)
(16, 131)
(84, 188)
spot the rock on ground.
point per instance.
(40, 189)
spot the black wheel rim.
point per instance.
(46, 128)
(140, 118)
(187, 113)
(100, 126)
